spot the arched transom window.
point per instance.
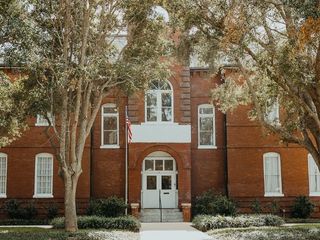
(159, 102)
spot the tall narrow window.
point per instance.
(272, 174)
(110, 126)
(3, 174)
(272, 112)
(314, 177)
(159, 99)
(43, 176)
(206, 126)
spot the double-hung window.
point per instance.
(314, 177)
(43, 176)
(110, 126)
(272, 174)
(3, 174)
(159, 102)
(206, 126)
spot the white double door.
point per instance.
(159, 190)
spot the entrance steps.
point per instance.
(161, 215)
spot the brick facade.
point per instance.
(234, 167)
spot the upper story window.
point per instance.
(272, 112)
(159, 102)
(42, 121)
(3, 174)
(206, 126)
(272, 174)
(314, 177)
(43, 176)
(110, 126)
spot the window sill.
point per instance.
(314, 194)
(273, 194)
(207, 147)
(43, 196)
(159, 123)
(3, 195)
(109, 146)
(41, 125)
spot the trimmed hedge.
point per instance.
(109, 207)
(207, 222)
(96, 222)
(23, 222)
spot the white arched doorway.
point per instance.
(159, 181)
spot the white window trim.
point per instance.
(37, 195)
(311, 194)
(109, 146)
(272, 194)
(159, 109)
(213, 115)
(41, 124)
(4, 195)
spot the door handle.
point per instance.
(166, 193)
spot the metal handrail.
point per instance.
(160, 205)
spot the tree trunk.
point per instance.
(70, 210)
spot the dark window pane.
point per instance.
(206, 138)
(148, 165)
(151, 182)
(168, 165)
(206, 110)
(110, 123)
(151, 100)
(166, 114)
(110, 109)
(151, 114)
(166, 100)
(159, 165)
(166, 182)
(206, 123)
(110, 138)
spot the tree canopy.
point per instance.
(276, 47)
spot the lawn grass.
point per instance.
(296, 232)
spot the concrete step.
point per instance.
(154, 215)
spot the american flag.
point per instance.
(129, 130)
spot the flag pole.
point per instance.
(126, 162)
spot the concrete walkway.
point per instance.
(171, 231)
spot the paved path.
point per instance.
(171, 231)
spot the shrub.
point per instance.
(302, 207)
(110, 207)
(212, 204)
(52, 211)
(96, 222)
(273, 207)
(12, 208)
(15, 211)
(256, 206)
(207, 222)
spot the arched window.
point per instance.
(206, 126)
(3, 174)
(314, 177)
(109, 126)
(43, 186)
(159, 102)
(272, 174)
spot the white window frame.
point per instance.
(102, 125)
(40, 195)
(272, 194)
(4, 195)
(213, 115)
(311, 167)
(42, 121)
(159, 106)
(273, 110)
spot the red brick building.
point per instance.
(182, 145)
